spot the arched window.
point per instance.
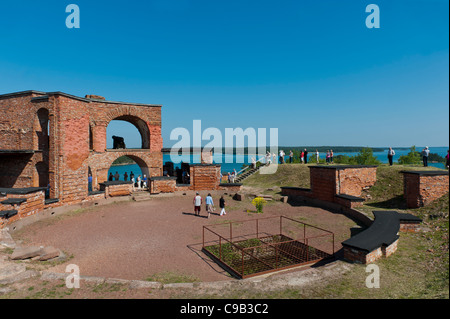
(132, 130)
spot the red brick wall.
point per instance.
(361, 256)
(68, 156)
(323, 183)
(351, 181)
(420, 190)
(205, 177)
(364, 257)
(433, 187)
(163, 186)
(34, 205)
(326, 182)
(117, 190)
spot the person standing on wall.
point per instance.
(391, 154)
(197, 204)
(425, 153)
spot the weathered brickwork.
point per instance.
(114, 189)
(205, 177)
(329, 181)
(423, 187)
(361, 256)
(32, 203)
(163, 185)
(57, 138)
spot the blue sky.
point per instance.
(312, 69)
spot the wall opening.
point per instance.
(127, 132)
(125, 167)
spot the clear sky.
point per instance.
(311, 68)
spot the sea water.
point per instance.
(236, 162)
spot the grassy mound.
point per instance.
(419, 268)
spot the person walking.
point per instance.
(117, 176)
(209, 204)
(302, 157)
(425, 153)
(125, 176)
(291, 156)
(327, 158)
(317, 156)
(197, 204)
(222, 206)
(305, 155)
(391, 154)
(331, 156)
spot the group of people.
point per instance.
(198, 200)
(303, 157)
(139, 182)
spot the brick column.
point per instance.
(99, 136)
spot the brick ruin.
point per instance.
(51, 141)
(336, 184)
(339, 188)
(423, 187)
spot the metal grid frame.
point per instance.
(261, 252)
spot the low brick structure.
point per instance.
(20, 203)
(163, 184)
(340, 184)
(423, 187)
(116, 188)
(380, 238)
(205, 176)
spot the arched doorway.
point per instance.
(126, 166)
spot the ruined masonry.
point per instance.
(51, 141)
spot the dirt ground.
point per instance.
(136, 240)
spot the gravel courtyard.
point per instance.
(137, 240)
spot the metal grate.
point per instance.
(260, 246)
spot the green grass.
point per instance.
(418, 269)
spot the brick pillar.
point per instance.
(99, 136)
